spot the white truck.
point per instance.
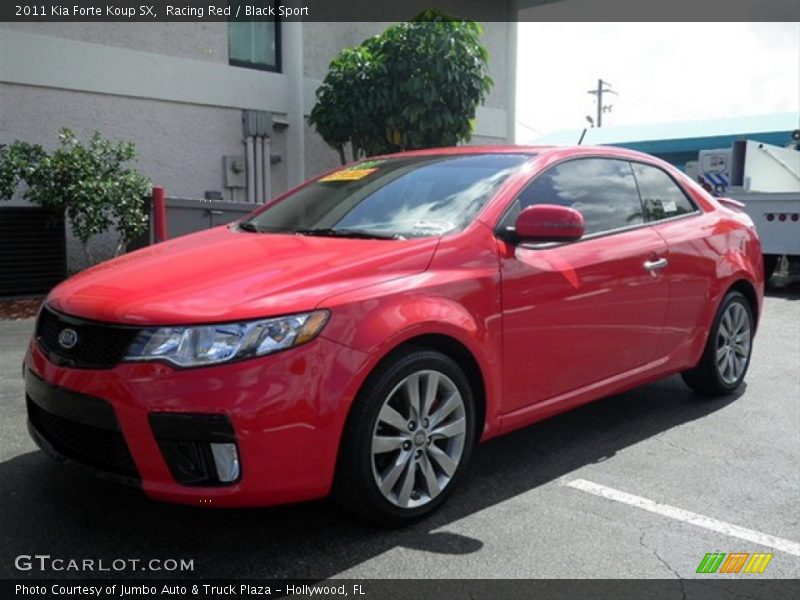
(766, 179)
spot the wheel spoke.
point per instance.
(741, 317)
(725, 326)
(389, 480)
(722, 352)
(452, 429)
(431, 482)
(408, 483)
(382, 444)
(391, 417)
(730, 367)
(733, 321)
(440, 458)
(738, 362)
(411, 386)
(452, 402)
(431, 387)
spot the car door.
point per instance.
(578, 313)
(692, 264)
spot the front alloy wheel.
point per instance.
(407, 439)
(418, 439)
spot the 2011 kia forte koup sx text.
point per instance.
(359, 334)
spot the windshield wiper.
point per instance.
(349, 233)
(249, 226)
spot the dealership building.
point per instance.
(216, 109)
(178, 91)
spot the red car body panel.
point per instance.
(279, 406)
(546, 329)
(571, 297)
(224, 275)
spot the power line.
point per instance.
(601, 108)
(528, 127)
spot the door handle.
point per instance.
(655, 265)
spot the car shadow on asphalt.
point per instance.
(50, 509)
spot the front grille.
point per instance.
(79, 427)
(99, 345)
(93, 446)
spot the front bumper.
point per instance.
(286, 411)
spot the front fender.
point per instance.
(397, 312)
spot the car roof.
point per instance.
(496, 149)
(551, 151)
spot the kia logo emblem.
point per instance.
(68, 338)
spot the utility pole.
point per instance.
(601, 108)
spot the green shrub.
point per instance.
(86, 182)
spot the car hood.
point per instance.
(224, 274)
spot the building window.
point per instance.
(254, 44)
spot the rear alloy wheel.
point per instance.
(727, 354)
(408, 437)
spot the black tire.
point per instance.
(706, 378)
(356, 487)
(770, 264)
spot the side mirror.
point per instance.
(549, 223)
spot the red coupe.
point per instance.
(360, 333)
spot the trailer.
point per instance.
(766, 179)
(777, 219)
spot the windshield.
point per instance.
(392, 198)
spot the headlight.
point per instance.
(201, 345)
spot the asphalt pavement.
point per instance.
(605, 491)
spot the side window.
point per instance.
(602, 190)
(661, 196)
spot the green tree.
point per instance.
(88, 183)
(416, 85)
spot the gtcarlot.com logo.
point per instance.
(46, 562)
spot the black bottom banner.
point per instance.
(374, 589)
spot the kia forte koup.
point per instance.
(358, 335)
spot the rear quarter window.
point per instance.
(662, 197)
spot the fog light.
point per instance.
(226, 460)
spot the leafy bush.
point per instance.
(416, 85)
(86, 182)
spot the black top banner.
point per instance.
(393, 10)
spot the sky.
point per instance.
(661, 72)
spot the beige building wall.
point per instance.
(168, 88)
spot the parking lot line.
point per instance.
(763, 539)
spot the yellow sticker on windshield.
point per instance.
(348, 175)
